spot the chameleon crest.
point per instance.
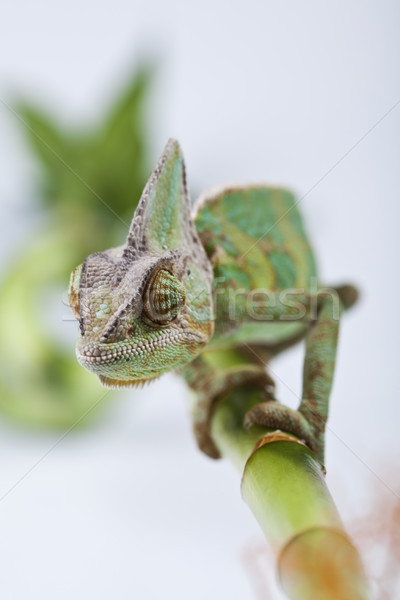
(145, 308)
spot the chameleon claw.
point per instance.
(277, 416)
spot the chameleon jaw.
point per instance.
(130, 363)
(100, 353)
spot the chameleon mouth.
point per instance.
(95, 355)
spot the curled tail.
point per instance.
(348, 294)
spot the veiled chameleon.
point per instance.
(234, 272)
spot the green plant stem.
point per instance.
(285, 488)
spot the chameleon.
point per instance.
(235, 272)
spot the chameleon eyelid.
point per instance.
(163, 298)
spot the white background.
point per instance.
(293, 93)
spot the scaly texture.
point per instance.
(238, 274)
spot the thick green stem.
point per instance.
(284, 486)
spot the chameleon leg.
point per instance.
(214, 374)
(308, 422)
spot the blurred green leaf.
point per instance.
(124, 128)
(92, 181)
(47, 139)
(103, 169)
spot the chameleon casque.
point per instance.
(235, 273)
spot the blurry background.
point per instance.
(116, 500)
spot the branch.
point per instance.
(284, 486)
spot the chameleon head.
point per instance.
(146, 307)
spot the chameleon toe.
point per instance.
(275, 416)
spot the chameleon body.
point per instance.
(234, 273)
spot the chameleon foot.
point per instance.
(278, 416)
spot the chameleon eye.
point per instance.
(164, 298)
(73, 292)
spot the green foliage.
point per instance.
(93, 177)
(91, 182)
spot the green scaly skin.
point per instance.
(215, 292)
